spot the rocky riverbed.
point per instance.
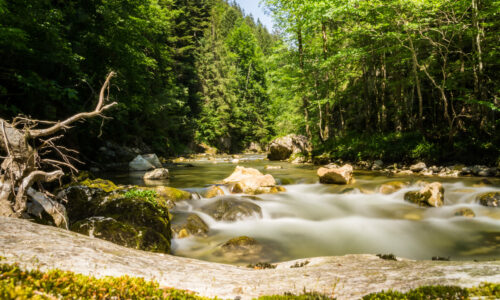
(346, 277)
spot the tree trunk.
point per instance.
(305, 101)
(417, 83)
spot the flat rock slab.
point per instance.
(346, 277)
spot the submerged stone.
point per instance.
(465, 212)
(193, 225)
(242, 245)
(392, 187)
(232, 209)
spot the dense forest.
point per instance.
(393, 80)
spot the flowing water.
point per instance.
(311, 219)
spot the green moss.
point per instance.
(487, 290)
(304, 296)
(171, 194)
(105, 185)
(16, 283)
(491, 199)
(19, 284)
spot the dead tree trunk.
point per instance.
(26, 146)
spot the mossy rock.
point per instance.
(322, 159)
(491, 199)
(269, 190)
(193, 225)
(172, 195)
(129, 217)
(82, 201)
(121, 233)
(431, 195)
(416, 198)
(231, 209)
(465, 212)
(108, 229)
(105, 185)
(298, 158)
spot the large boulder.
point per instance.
(491, 199)
(140, 164)
(232, 209)
(153, 159)
(334, 175)
(157, 174)
(131, 217)
(431, 195)
(251, 181)
(282, 148)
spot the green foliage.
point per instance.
(18, 284)
(486, 290)
(348, 71)
(233, 81)
(148, 196)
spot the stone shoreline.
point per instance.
(346, 277)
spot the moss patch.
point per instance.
(105, 185)
(18, 284)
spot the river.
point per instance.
(312, 219)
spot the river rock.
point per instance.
(269, 167)
(140, 164)
(231, 209)
(100, 208)
(377, 165)
(431, 194)
(464, 212)
(214, 191)
(418, 167)
(254, 148)
(153, 159)
(483, 171)
(157, 174)
(242, 245)
(172, 195)
(341, 175)
(249, 181)
(491, 199)
(405, 173)
(282, 148)
(322, 159)
(193, 225)
(392, 187)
